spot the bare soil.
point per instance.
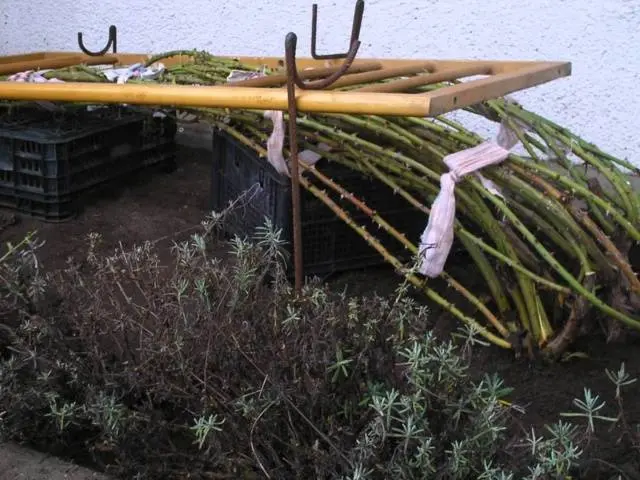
(168, 207)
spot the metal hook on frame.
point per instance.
(355, 32)
(290, 55)
(112, 42)
(293, 81)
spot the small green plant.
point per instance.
(204, 427)
(620, 379)
(589, 408)
(590, 405)
(129, 349)
(107, 413)
(339, 367)
(554, 456)
(62, 412)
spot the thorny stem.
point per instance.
(411, 247)
(408, 159)
(408, 274)
(464, 234)
(533, 306)
(613, 252)
(400, 237)
(632, 322)
(420, 284)
(471, 139)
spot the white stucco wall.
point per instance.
(600, 37)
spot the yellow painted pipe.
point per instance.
(312, 101)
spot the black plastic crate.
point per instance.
(329, 244)
(56, 144)
(62, 207)
(54, 157)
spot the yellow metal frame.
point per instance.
(499, 78)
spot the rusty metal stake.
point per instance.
(290, 46)
(293, 81)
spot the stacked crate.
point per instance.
(49, 159)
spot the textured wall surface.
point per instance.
(600, 37)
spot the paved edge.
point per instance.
(20, 463)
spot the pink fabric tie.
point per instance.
(33, 76)
(437, 238)
(275, 142)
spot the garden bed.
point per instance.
(169, 208)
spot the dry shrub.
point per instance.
(208, 365)
(213, 368)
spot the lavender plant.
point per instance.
(213, 364)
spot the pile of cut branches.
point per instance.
(551, 240)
